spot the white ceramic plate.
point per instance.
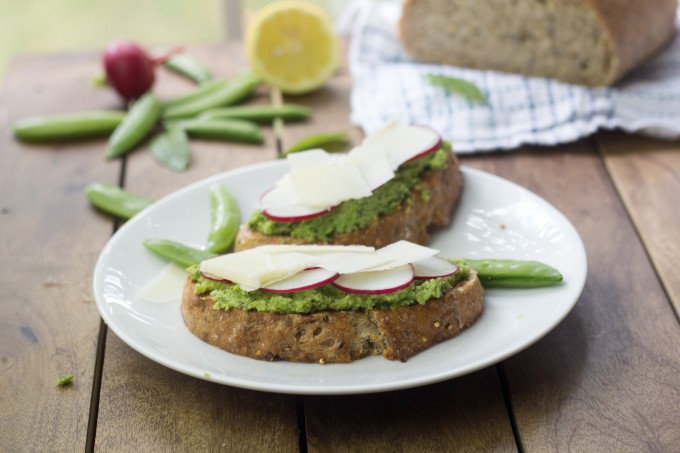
(494, 219)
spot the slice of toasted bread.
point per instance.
(410, 221)
(334, 336)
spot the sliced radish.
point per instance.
(433, 267)
(277, 205)
(376, 282)
(404, 142)
(214, 278)
(307, 279)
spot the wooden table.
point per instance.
(606, 379)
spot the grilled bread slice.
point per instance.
(411, 221)
(334, 336)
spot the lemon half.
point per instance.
(292, 46)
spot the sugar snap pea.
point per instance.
(225, 219)
(332, 142)
(227, 130)
(259, 113)
(139, 120)
(114, 200)
(233, 92)
(178, 253)
(68, 126)
(186, 65)
(203, 90)
(512, 273)
(171, 149)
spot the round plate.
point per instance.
(494, 219)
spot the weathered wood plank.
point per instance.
(144, 406)
(606, 378)
(464, 415)
(48, 319)
(646, 174)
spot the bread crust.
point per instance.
(637, 30)
(334, 336)
(630, 31)
(410, 221)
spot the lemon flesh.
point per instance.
(292, 46)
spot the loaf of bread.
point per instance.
(589, 42)
(334, 336)
(411, 221)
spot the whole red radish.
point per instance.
(130, 70)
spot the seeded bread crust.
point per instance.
(334, 336)
(411, 221)
(590, 42)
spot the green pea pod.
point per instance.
(259, 113)
(235, 91)
(171, 149)
(115, 201)
(512, 273)
(187, 66)
(227, 130)
(203, 90)
(225, 219)
(332, 142)
(138, 122)
(180, 254)
(68, 127)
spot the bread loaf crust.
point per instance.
(334, 336)
(637, 30)
(410, 221)
(621, 35)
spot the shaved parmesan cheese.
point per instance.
(321, 185)
(253, 269)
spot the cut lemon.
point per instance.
(292, 46)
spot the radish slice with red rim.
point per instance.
(214, 278)
(278, 207)
(433, 267)
(308, 279)
(405, 142)
(376, 282)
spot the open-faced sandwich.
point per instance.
(330, 303)
(399, 183)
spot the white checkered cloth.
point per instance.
(387, 84)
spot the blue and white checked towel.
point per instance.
(388, 84)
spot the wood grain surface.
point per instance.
(605, 379)
(49, 322)
(646, 174)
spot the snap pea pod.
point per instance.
(233, 92)
(178, 253)
(203, 90)
(114, 200)
(139, 120)
(171, 149)
(187, 66)
(69, 126)
(227, 130)
(512, 273)
(225, 219)
(259, 113)
(331, 142)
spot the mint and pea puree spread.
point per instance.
(355, 214)
(327, 297)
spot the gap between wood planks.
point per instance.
(101, 347)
